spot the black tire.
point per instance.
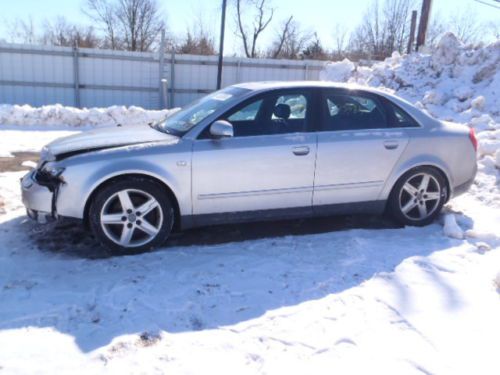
(135, 187)
(400, 198)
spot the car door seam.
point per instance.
(384, 187)
(314, 173)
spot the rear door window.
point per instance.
(345, 111)
(397, 117)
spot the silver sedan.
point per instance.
(254, 151)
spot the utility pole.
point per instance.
(412, 31)
(424, 22)
(221, 44)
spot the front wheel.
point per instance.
(418, 196)
(131, 215)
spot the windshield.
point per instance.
(191, 115)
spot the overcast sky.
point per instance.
(315, 15)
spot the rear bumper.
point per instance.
(464, 187)
(460, 189)
(37, 199)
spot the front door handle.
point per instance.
(391, 145)
(301, 150)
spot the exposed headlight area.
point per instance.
(52, 170)
(49, 175)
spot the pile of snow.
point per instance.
(454, 82)
(75, 117)
(338, 71)
(451, 228)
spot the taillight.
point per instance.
(473, 139)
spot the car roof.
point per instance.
(266, 85)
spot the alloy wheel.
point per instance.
(131, 218)
(419, 196)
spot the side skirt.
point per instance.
(369, 207)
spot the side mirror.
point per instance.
(221, 129)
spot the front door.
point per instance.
(267, 165)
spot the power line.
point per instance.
(490, 5)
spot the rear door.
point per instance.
(357, 148)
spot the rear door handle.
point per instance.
(301, 150)
(391, 145)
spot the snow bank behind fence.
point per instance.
(454, 82)
(465, 80)
(76, 117)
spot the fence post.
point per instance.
(76, 75)
(306, 71)
(164, 92)
(161, 97)
(238, 72)
(172, 79)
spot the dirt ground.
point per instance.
(15, 164)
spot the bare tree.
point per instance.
(437, 26)
(314, 50)
(22, 31)
(465, 25)
(289, 41)
(62, 33)
(103, 12)
(384, 29)
(368, 35)
(197, 44)
(130, 24)
(262, 16)
(340, 35)
(282, 37)
(140, 22)
(199, 38)
(397, 18)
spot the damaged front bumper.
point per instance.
(39, 194)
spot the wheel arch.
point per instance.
(438, 168)
(168, 190)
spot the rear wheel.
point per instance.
(131, 215)
(418, 196)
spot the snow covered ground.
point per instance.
(29, 139)
(376, 299)
(396, 301)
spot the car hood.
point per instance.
(107, 138)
